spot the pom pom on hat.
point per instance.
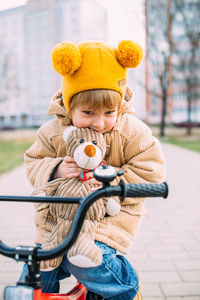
(94, 65)
(129, 54)
(66, 58)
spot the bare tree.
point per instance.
(159, 51)
(3, 73)
(9, 74)
(188, 64)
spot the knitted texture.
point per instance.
(66, 58)
(129, 54)
(94, 65)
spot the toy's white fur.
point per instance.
(90, 163)
(83, 160)
(82, 261)
(112, 208)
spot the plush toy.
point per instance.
(88, 149)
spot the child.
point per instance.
(94, 85)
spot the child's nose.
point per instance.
(90, 150)
(99, 122)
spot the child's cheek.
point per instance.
(80, 123)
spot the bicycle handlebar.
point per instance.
(121, 190)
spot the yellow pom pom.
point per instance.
(66, 58)
(129, 54)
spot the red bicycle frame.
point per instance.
(33, 255)
(77, 293)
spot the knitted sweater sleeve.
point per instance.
(40, 160)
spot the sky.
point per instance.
(5, 4)
(125, 18)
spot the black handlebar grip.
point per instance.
(147, 190)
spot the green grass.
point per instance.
(11, 154)
(185, 142)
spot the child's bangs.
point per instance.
(95, 99)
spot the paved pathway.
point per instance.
(167, 250)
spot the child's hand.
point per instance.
(97, 184)
(67, 169)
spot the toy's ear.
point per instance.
(66, 58)
(67, 132)
(129, 54)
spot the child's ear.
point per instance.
(67, 132)
(128, 93)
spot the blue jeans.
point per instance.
(114, 279)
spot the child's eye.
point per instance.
(109, 112)
(87, 112)
(94, 142)
(82, 141)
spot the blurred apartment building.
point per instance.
(157, 22)
(186, 63)
(12, 67)
(27, 35)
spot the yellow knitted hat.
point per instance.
(94, 65)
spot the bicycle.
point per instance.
(31, 288)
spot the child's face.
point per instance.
(101, 120)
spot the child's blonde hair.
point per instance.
(96, 99)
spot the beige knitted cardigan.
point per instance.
(130, 146)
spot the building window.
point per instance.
(12, 118)
(154, 112)
(73, 9)
(2, 118)
(154, 100)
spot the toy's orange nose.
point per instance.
(90, 150)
